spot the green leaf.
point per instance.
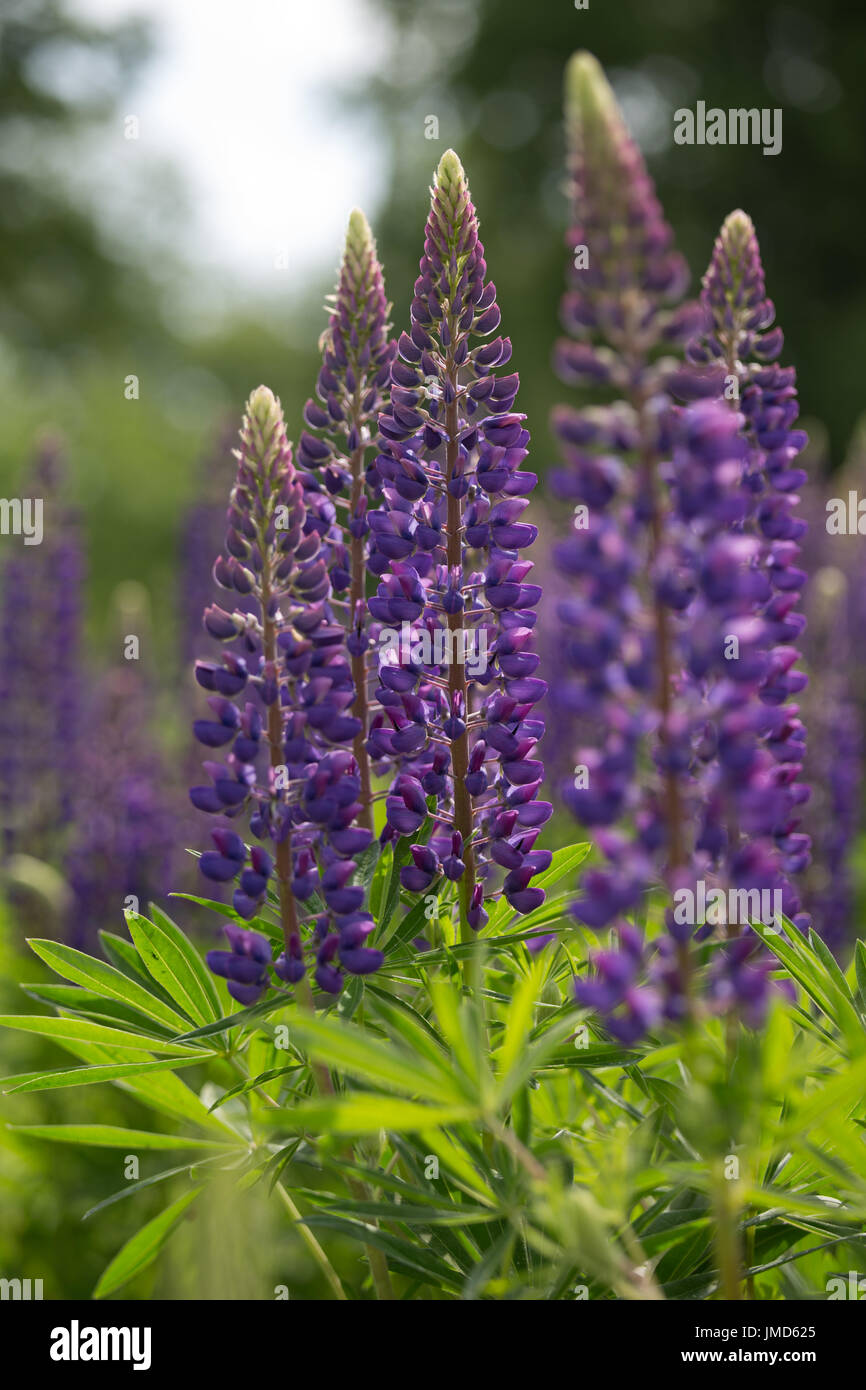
(518, 1021)
(74, 999)
(407, 1256)
(132, 1187)
(564, 862)
(543, 916)
(162, 1091)
(595, 1055)
(364, 1112)
(124, 956)
(803, 965)
(374, 1061)
(243, 1016)
(89, 1076)
(82, 1030)
(412, 1026)
(174, 964)
(227, 911)
(379, 879)
(533, 1057)
(113, 1137)
(831, 965)
(366, 865)
(143, 1248)
(401, 857)
(860, 967)
(252, 1082)
(432, 1215)
(413, 923)
(104, 979)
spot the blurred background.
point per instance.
(175, 181)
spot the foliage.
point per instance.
(506, 1149)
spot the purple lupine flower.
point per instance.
(739, 980)
(245, 966)
(668, 585)
(740, 343)
(622, 309)
(124, 833)
(456, 599)
(836, 754)
(730, 666)
(201, 534)
(40, 670)
(336, 450)
(616, 989)
(279, 722)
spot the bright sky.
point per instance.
(239, 96)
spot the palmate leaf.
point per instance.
(104, 979)
(400, 856)
(376, 891)
(142, 1249)
(831, 965)
(412, 925)
(463, 1167)
(790, 1256)
(563, 864)
(413, 1193)
(170, 968)
(596, 1055)
(459, 1021)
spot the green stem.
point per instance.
(313, 1245)
(458, 690)
(289, 923)
(727, 1238)
(359, 660)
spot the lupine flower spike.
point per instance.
(336, 453)
(616, 630)
(742, 344)
(672, 626)
(288, 762)
(40, 651)
(457, 591)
